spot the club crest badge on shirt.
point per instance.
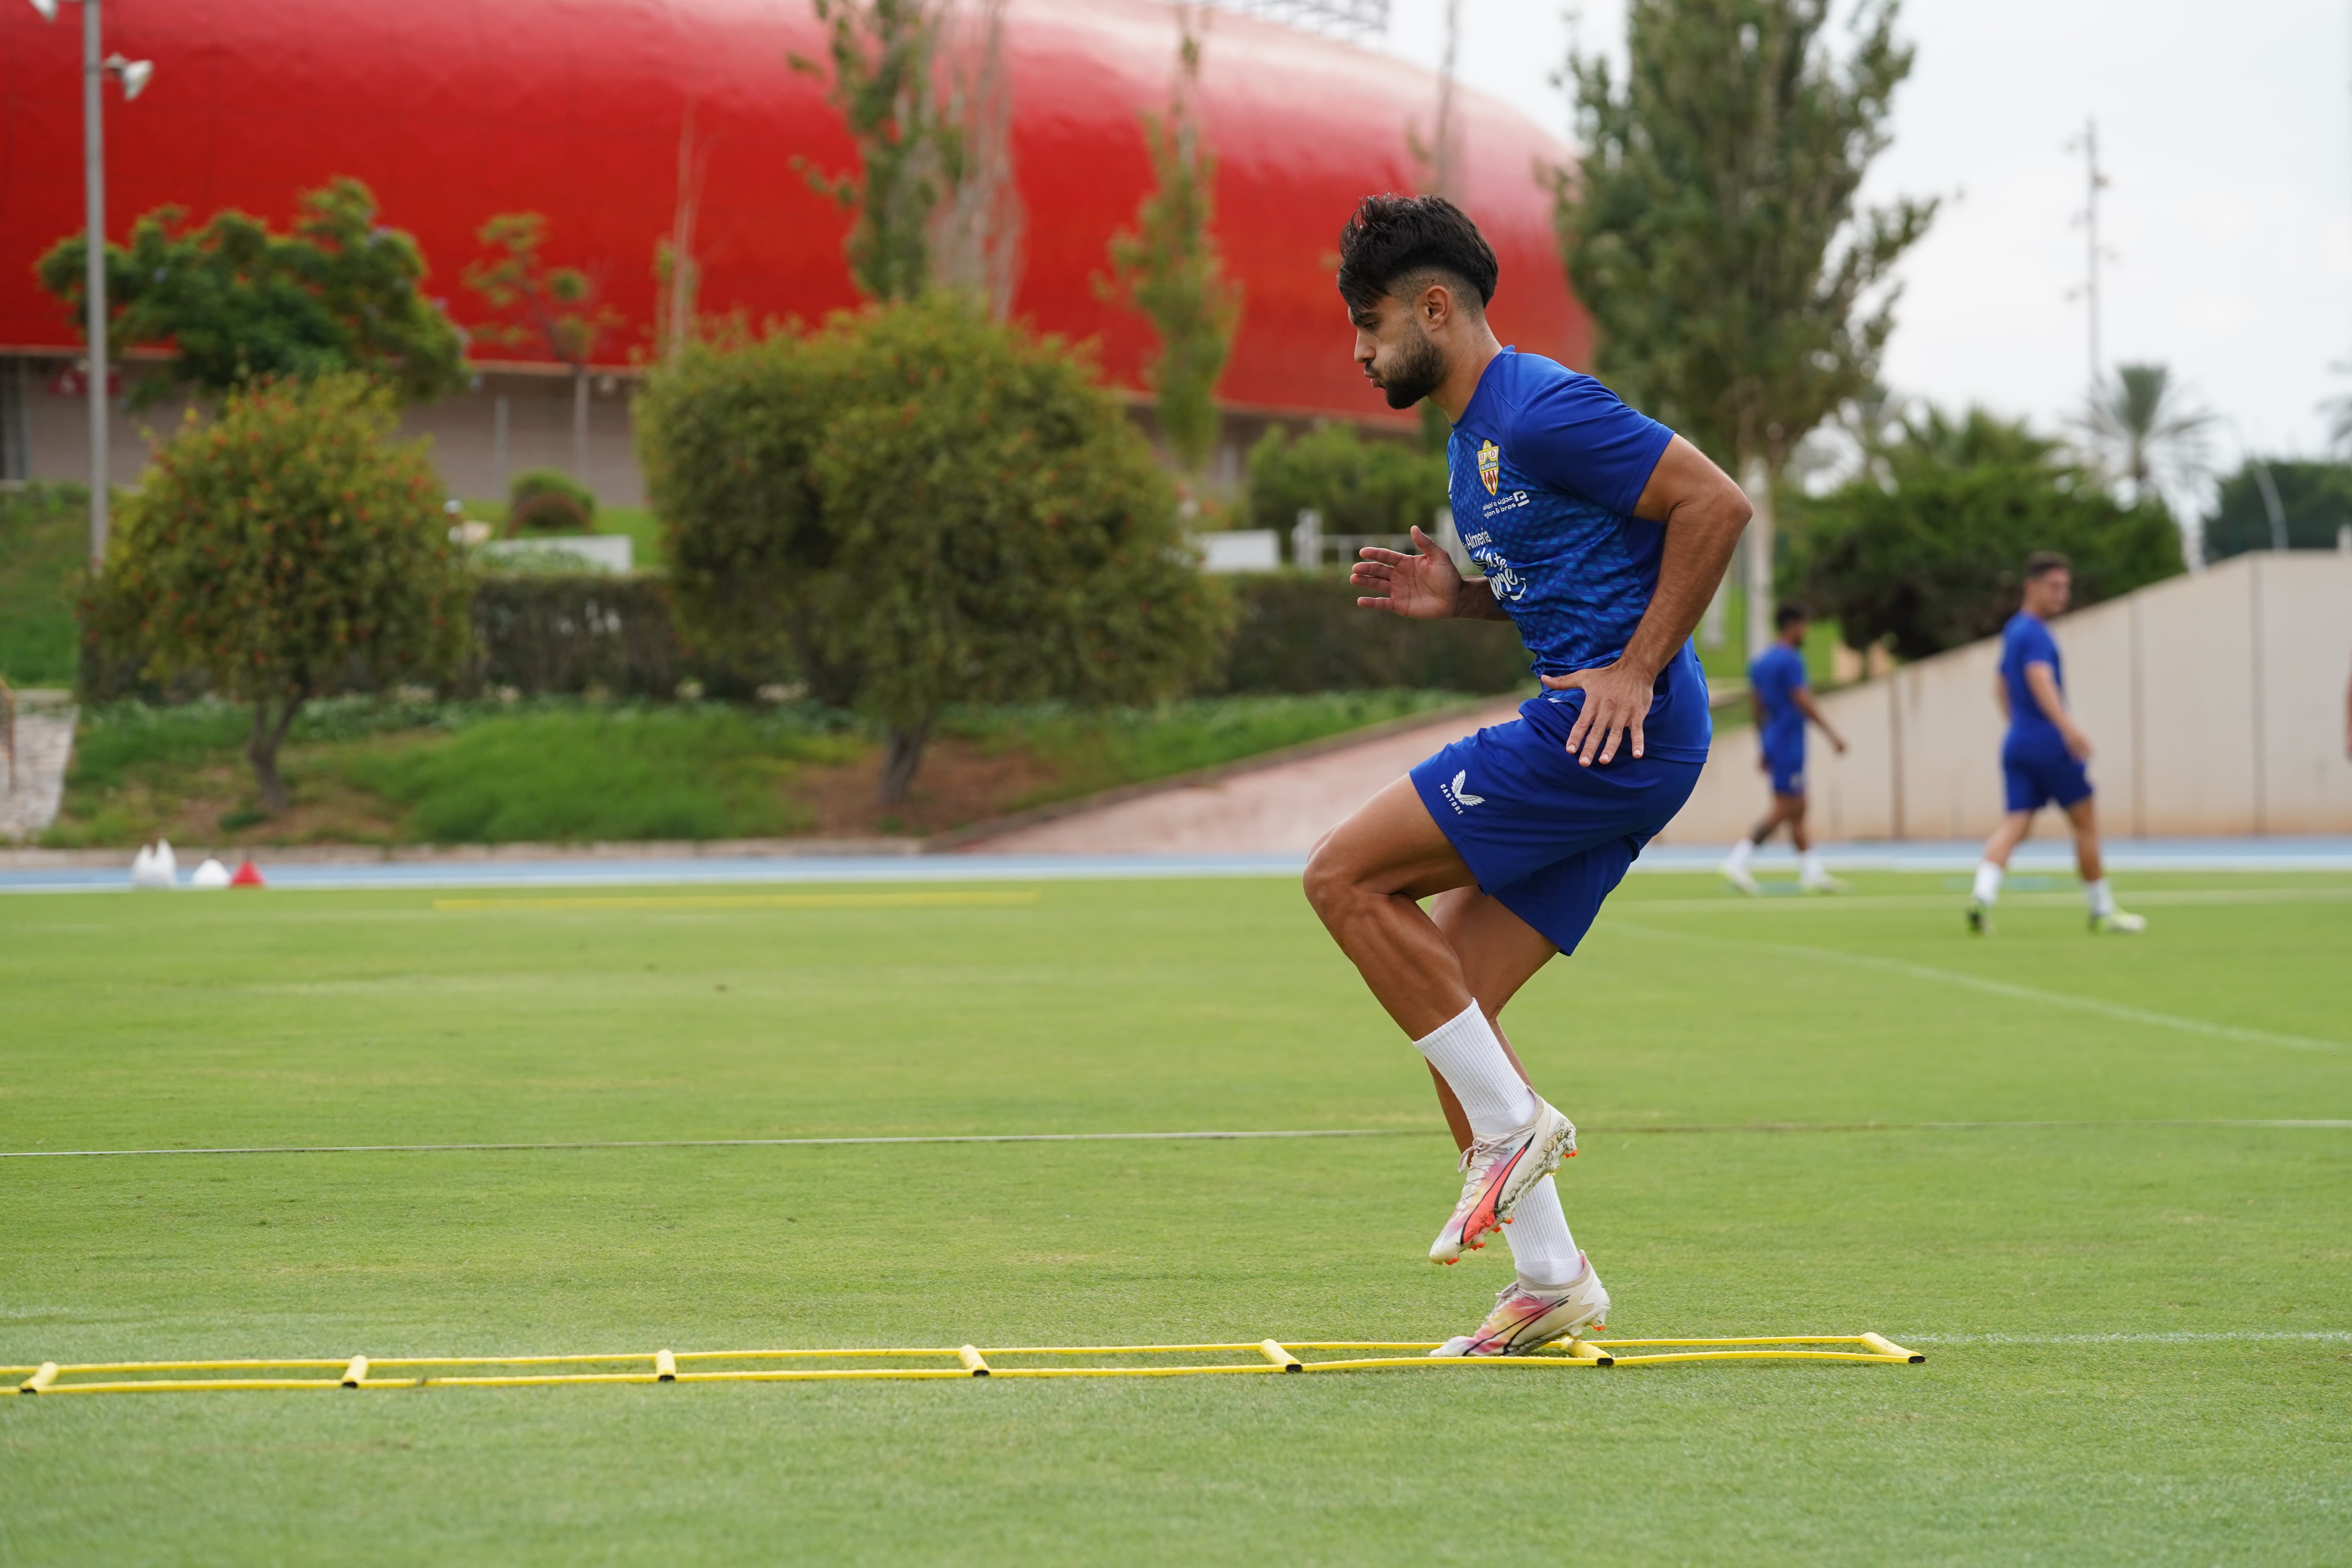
(1490, 465)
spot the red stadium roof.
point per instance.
(455, 110)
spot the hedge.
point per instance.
(1303, 631)
(550, 632)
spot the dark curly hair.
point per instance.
(1389, 238)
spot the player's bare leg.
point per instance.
(2105, 917)
(1735, 866)
(1364, 880)
(1996, 851)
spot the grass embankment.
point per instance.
(2135, 1313)
(560, 770)
(44, 544)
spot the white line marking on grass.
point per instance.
(1733, 903)
(1591, 1131)
(743, 1142)
(2321, 1336)
(1998, 988)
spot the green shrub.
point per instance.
(1931, 552)
(571, 632)
(1357, 486)
(924, 505)
(548, 500)
(285, 549)
(1303, 631)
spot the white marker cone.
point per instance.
(211, 874)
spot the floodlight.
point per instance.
(48, 8)
(134, 75)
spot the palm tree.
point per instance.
(2143, 422)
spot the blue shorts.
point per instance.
(1788, 770)
(1547, 837)
(2036, 772)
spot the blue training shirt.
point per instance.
(1544, 470)
(2026, 640)
(1775, 675)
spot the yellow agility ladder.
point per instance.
(965, 1361)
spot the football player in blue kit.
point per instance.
(1777, 686)
(2041, 756)
(1601, 534)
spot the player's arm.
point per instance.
(1425, 586)
(1703, 513)
(1803, 698)
(2042, 681)
(2001, 695)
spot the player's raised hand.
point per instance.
(1423, 586)
(1616, 699)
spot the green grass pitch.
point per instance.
(2140, 1346)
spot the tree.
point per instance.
(940, 507)
(2269, 500)
(240, 304)
(536, 306)
(1929, 552)
(1168, 268)
(976, 231)
(882, 53)
(1357, 486)
(1712, 231)
(2143, 426)
(286, 549)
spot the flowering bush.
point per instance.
(285, 549)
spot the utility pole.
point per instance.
(93, 172)
(96, 66)
(2095, 181)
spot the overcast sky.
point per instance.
(2225, 129)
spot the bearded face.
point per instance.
(1408, 369)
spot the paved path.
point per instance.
(29, 793)
(1278, 810)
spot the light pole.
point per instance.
(134, 75)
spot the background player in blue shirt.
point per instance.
(2042, 755)
(1602, 535)
(1775, 686)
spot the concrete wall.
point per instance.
(56, 431)
(45, 435)
(2214, 704)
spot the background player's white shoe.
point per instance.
(1525, 1320)
(1497, 1173)
(1820, 882)
(2117, 920)
(1737, 875)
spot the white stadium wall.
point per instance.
(2214, 704)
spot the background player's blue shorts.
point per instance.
(1547, 837)
(1787, 768)
(2035, 773)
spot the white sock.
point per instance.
(1988, 882)
(2100, 897)
(1742, 853)
(1809, 868)
(1470, 1059)
(1541, 1245)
